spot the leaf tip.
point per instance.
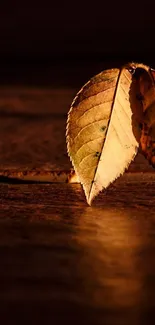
(91, 198)
(89, 201)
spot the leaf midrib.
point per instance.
(112, 106)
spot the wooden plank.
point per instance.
(32, 132)
(32, 128)
(62, 260)
(38, 200)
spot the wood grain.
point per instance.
(64, 261)
(61, 260)
(32, 131)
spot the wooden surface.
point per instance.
(32, 130)
(61, 260)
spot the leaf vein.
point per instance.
(97, 93)
(87, 143)
(101, 103)
(88, 126)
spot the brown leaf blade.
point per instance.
(100, 138)
(146, 80)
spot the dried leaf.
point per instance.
(145, 77)
(101, 135)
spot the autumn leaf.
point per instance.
(101, 132)
(145, 78)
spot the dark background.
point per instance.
(65, 43)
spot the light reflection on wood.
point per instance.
(111, 263)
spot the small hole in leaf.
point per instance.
(103, 128)
(97, 154)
